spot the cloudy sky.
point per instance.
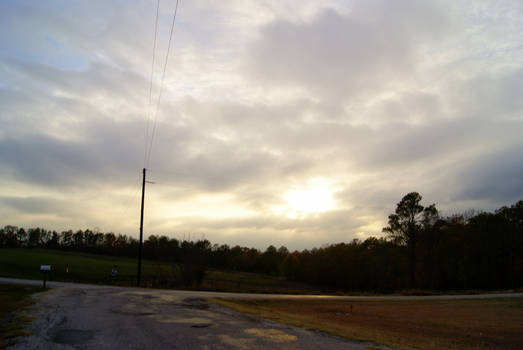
(295, 123)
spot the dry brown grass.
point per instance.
(14, 298)
(423, 324)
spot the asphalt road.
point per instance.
(79, 316)
(200, 294)
(87, 317)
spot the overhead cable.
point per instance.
(161, 87)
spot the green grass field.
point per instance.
(86, 268)
(92, 268)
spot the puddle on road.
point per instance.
(73, 336)
(201, 325)
(274, 335)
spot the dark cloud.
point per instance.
(495, 177)
(36, 205)
(98, 156)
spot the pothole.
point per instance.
(201, 325)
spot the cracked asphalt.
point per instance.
(124, 318)
(80, 316)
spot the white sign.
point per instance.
(45, 267)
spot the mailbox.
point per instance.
(45, 269)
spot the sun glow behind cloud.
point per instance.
(280, 123)
(315, 197)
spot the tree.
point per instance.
(108, 242)
(66, 239)
(53, 241)
(34, 236)
(10, 236)
(513, 216)
(407, 223)
(21, 236)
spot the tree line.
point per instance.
(421, 250)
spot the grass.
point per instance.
(93, 268)
(83, 267)
(423, 324)
(248, 282)
(12, 299)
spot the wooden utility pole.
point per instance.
(141, 233)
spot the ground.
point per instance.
(14, 298)
(84, 316)
(129, 318)
(433, 324)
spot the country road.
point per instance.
(201, 294)
(96, 317)
(79, 316)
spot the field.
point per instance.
(246, 282)
(86, 268)
(13, 298)
(91, 268)
(435, 324)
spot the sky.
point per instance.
(296, 123)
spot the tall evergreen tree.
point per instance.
(407, 223)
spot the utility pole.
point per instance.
(141, 233)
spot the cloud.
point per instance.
(345, 55)
(34, 205)
(492, 94)
(495, 176)
(377, 98)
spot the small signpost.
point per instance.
(45, 269)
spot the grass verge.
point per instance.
(12, 324)
(423, 324)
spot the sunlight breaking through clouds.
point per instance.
(316, 197)
(289, 123)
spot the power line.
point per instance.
(161, 85)
(151, 83)
(147, 151)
